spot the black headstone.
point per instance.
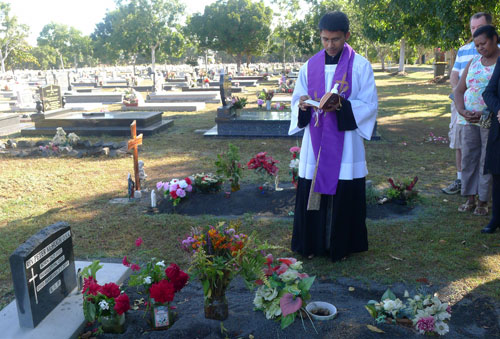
(51, 97)
(43, 273)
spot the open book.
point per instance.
(328, 99)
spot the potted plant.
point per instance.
(283, 293)
(159, 283)
(218, 254)
(105, 304)
(228, 164)
(265, 166)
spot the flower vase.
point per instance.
(237, 112)
(114, 323)
(161, 315)
(268, 105)
(216, 307)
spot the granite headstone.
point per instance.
(43, 273)
(51, 97)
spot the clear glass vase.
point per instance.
(114, 323)
(216, 307)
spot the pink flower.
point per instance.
(174, 187)
(294, 149)
(138, 242)
(425, 324)
(180, 193)
(189, 188)
(125, 261)
(159, 185)
(166, 186)
(135, 267)
(282, 269)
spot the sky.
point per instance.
(80, 14)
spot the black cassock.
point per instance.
(338, 228)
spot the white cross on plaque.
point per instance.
(32, 279)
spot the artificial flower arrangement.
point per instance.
(160, 283)
(425, 312)
(228, 164)
(238, 103)
(402, 191)
(218, 254)
(265, 94)
(176, 189)
(285, 290)
(294, 165)
(130, 98)
(208, 183)
(104, 303)
(280, 106)
(286, 86)
(264, 165)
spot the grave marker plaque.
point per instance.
(225, 89)
(43, 273)
(51, 97)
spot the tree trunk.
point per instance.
(382, 61)
(133, 65)
(284, 56)
(402, 56)
(153, 58)
(206, 61)
(451, 61)
(3, 61)
(238, 63)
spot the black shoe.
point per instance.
(490, 228)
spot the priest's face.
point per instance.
(333, 41)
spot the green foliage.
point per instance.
(12, 34)
(238, 27)
(239, 102)
(91, 270)
(228, 164)
(372, 195)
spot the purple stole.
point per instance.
(327, 140)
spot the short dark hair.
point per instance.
(479, 15)
(488, 30)
(334, 21)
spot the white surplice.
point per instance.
(364, 104)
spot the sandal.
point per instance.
(481, 210)
(467, 206)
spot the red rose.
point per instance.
(122, 303)
(188, 181)
(176, 276)
(110, 290)
(162, 291)
(135, 267)
(173, 194)
(125, 261)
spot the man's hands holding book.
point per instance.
(329, 102)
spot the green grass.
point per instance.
(438, 243)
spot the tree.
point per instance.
(139, 27)
(57, 37)
(286, 17)
(12, 34)
(237, 27)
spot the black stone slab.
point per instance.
(204, 89)
(111, 123)
(43, 273)
(51, 97)
(254, 124)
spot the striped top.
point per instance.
(464, 55)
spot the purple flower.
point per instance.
(180, 193)
(189, 188)
(260, 102)
(174, 187)
(159, 185)
(166, 186)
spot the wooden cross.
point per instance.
(132, 144)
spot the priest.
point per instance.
(330, 206)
